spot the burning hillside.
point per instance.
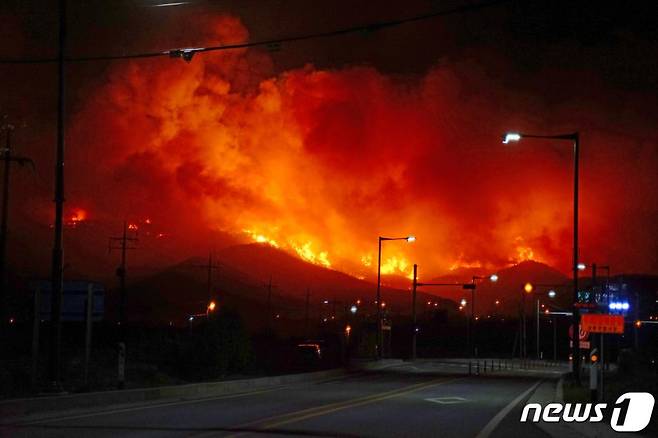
(319, 163)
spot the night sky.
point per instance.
(320, 146)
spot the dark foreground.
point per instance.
(413, 400)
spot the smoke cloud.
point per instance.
(321, 162)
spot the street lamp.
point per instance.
(465, 286)
(493, 278)
(511, 136)
(574, 139)
(409, 239)
(528, 289)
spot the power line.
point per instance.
(189, 52)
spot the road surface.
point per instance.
(412, 400)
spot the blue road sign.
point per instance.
(74, 300)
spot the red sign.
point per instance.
(602, 323)
(586, 305)
(584, 345)
(582, 334)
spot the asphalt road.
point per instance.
(414, 400)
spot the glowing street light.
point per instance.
(409, 239)
(574, 138)
(353, 309)
(528, 288)
(211, 306)
(510, 137)
(493, 277)
(463, 302)
(581, 266)
(552, 293)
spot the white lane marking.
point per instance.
(447, 400)
(495, 421)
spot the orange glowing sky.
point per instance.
(321, 162)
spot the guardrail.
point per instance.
(478, 366)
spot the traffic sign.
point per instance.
(602, 323)
(582, 333)
(584, 345)
(74, 300)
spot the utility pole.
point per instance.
(269, 302)
(54, 366)
(8, 158)
(306, 313)
(210, 268)
(576, 310)
(554, 339)
(522, 328)
(636, 334)
(474, 348)
(122, 243)
(537, 329)
(414, 329)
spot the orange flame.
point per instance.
(310, 161)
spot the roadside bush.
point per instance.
(217, 347)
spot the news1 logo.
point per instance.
(630, 413)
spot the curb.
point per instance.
(22, 407)
(375, 364)
(559, 390)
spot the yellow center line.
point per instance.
(293, 417)
(142, 407)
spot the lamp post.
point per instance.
(574, 138)
(210, 308)
(414, 328)
(530, 288)
(493, 278)
(463, 303)
(379, 282)
(470, 286)
(551, 294)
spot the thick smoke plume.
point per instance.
(320, 163)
